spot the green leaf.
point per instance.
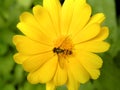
(3, 48)
(9, 87)
(117, 60)
(28, 86)
(18, 74)
(7, 36)
(40, 87)
(2, 22)
(61, 88)
(87, 86)
(25, 3)
(6, 66)
(40, 2)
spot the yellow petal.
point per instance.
(78, 71)
(29, 19)
(53, 7)
(66, 15)
(33, 33)
(94, 73)
(31, 27)
(93, 46)
(81, 15)
(44, 20)
(87, 33)
(91, 62)
(20, 58)
(50, 86)
(34, 62)
(45, 73)
(29, 47)
(97, 18)
(104, 32)
(72, 84)
(60, 77)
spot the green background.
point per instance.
(12, 76)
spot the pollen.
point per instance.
(63, 47)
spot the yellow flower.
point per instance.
(59, 43)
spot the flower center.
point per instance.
(63, 47)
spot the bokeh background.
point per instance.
(12, 75)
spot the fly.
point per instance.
(62, 51)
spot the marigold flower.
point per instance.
(59, 43)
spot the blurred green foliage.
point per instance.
(12, 76)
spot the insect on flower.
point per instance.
(59, 51)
